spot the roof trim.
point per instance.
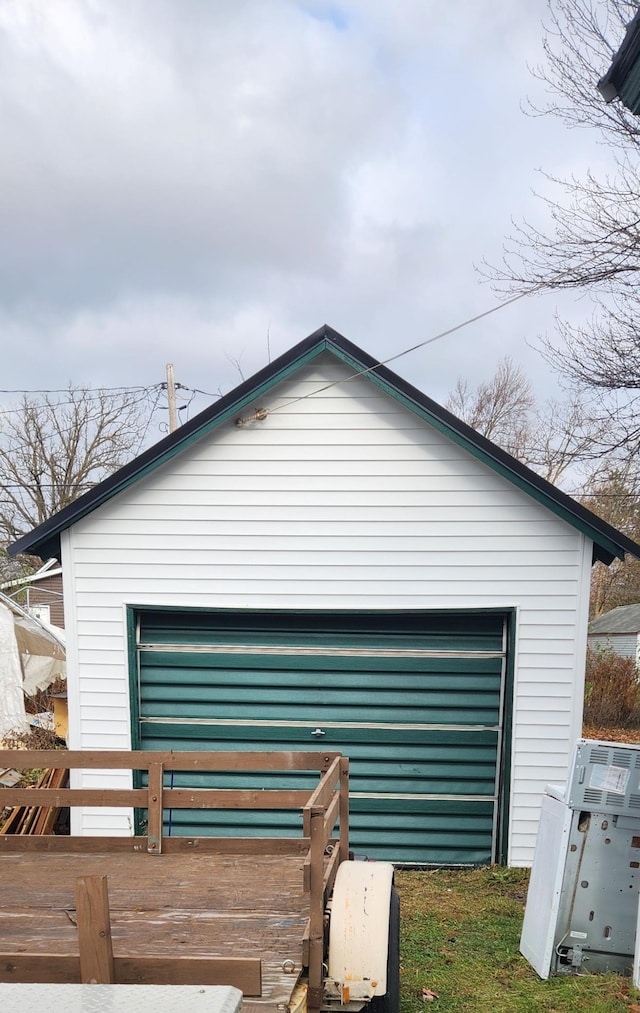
(624, 620)
(614, 83)
(608, 542)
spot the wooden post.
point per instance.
(171, 399)
(154, 809)
(316, 910)
(94, 931)
(344, 809)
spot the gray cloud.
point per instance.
(178, 178)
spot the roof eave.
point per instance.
(612, 84)
(44, 540)
(608, 543)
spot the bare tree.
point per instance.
(550, 438)
(499, 408)
(55, 449)
(593, 241)
(614, 494)
(561, 440)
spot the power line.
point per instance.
(539, 287)
(151, 411)
(66, 390)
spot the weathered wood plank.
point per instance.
(344, 809)
(58, 797)
(272, 937)
(316, 908)
(94, 930)
(47, 967)
(331, 818)
(243, 973)
(331, 870)
(202, 845)
(196, 881)
(172, 760)
(243, 901)
(326, 786)
(172, 798)
(228, 798)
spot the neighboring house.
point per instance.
(622, 80)
(618, 631)
(325, 558)
(40, 593)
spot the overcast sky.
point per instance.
(206, 182)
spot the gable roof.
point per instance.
(623, 619)
(608, 542)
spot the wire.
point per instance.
(65, 390)
(84, 397)
(407, 351)
(152, 410)
(550, 284)
(205, 392)
(58, 432)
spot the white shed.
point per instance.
(326, 557)
(619, 631)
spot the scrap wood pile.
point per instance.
(35, 819)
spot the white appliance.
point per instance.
(582, 904)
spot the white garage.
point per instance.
(327, 556)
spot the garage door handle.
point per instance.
(318, 732)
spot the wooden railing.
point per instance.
(324, 847)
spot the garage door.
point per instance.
(416, 701)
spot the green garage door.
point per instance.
(417, 701)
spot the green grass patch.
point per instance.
(460, 935)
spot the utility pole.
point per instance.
(171, 399)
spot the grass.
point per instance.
(460, 933)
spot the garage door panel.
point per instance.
(472, 711)
(376, 770)
(421, 836)
(467, 698)
(314, 668)
(478, 743)
(220, 686)
(377, 764)
(414, 704)
(424, 835)
(380, 763)
(445, 631)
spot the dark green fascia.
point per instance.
(49, 544)
(607, 542)
(622, 79)
(609, 549)
(231, 412)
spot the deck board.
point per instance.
(171, 904)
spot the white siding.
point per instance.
(624, 644)
(341, 500)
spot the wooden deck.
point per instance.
(245, 912)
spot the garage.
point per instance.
(420, 702)
(326, 556)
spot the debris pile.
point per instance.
(35, 819)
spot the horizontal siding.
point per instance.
(327, 520)
(624, 644)
(344, 500)
(405, 574)
(394, 544)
